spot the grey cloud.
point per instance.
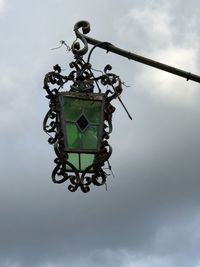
(150, 214)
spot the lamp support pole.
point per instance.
(131, 56)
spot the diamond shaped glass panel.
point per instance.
(82, 122)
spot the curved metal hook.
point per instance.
(85, 25)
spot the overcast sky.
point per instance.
(150, 215)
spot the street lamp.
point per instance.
(79, 120)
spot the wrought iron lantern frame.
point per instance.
(83, 85)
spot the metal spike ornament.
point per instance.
(79, 120)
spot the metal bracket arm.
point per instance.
(124, 53)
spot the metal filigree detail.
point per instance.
(76, 45)
(83, 80)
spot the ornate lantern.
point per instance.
(79, 120)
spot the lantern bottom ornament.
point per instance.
(79, 120)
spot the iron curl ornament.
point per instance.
(79, 119)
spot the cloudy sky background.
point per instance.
(150, 215)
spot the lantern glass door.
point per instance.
(82, 123)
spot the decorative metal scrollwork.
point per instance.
(82, 80)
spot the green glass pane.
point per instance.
(86, 160)
(74, 159)
(90, 137)
(72, 108)
(92, 110)
(73, 136)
